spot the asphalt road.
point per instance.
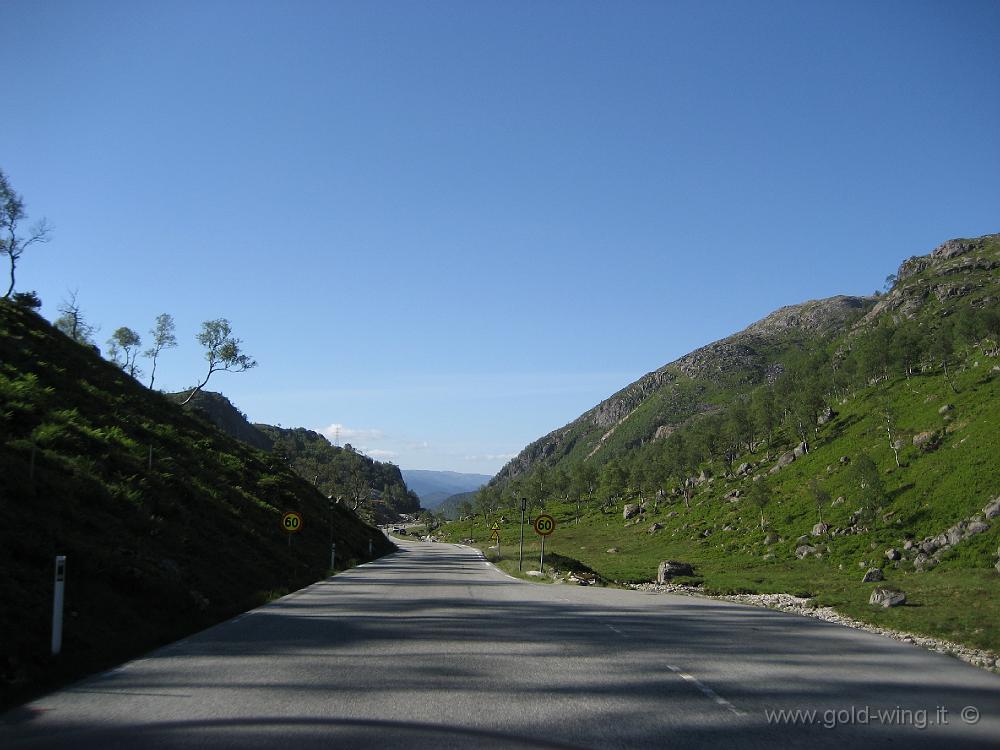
(433, 647)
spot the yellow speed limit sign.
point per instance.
(291, 522)
(544, 525)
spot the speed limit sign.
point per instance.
(544, 525)
(291, 522)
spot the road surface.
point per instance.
(433, 647)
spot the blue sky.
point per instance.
(452, 227)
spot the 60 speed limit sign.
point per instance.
(544, 525)
(291, 522)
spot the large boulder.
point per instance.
(825, 416)
(820, 529)
(886, 597)
(671, 568)
(874, 575)
(955, 533)
(632, 509)
(804, 551)
(927, 441)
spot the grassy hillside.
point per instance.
(802, 423)
(959, 599)
(168, 524)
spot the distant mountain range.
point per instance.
(434, 487)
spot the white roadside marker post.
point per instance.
(57, 604)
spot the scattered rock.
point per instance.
(786, 458)
(771, 538)
(732, 496)
(743, 469)
(632, 509)
(908, 544)
(820, 529)
(992, 509)
(874, 575)
(946, 408)
(804, 551)
(927, 441)
(654, 528)
(825, 416)
(845, 459)
(801, 449)
(975, 527)
(893, 554)
(955, 533)
(886, 597)
(670, 568)
(839, 501)
(613, 551)
(535, 574)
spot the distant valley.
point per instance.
(434, 487)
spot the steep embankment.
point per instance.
(168, 524)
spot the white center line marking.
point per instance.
(707, 691)
(612, 627)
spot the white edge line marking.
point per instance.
(707, 691)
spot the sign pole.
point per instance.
(520, 548)
(544, 525)
(57, 604)
(333, 556)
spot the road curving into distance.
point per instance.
(432, 647)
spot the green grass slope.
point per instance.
(959, 599)
(168, 524)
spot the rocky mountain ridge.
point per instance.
(660, 401)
